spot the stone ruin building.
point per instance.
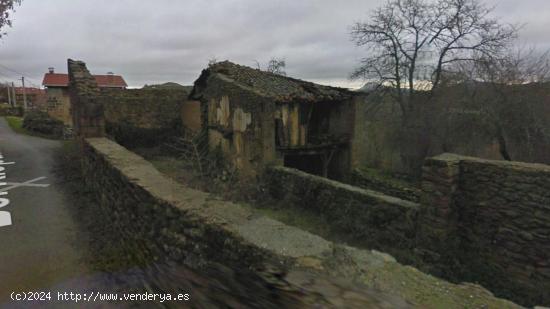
(486, 221)
(259, 118)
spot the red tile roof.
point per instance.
(103, 81)
(55, 79)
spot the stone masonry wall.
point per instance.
(384, 222)
(494, 217)
(161, 216)
(142, 117)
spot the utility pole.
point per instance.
(13, 94)
(9, 94)
(24, 94)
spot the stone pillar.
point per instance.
(86, 110)
(437, 232)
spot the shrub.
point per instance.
(41, 122)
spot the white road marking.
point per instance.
(19, 184)
(30, 183)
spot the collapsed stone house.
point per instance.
(258, 118)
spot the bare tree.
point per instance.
(257, 64)
(510, 92)
(276, 66)
(7, 7)
(411, 43)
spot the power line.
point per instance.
(12, 70)
(19, 73)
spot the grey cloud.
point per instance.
(172, 40)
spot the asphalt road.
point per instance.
(40, 249)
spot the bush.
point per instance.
(41, 122)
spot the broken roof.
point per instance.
(281, 88)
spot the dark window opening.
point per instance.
(319, 123)
(312, 164)
(279, 133)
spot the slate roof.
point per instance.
(103, 81)
(281, 88)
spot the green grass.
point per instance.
(306, 220)
(16, 124)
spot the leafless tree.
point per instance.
(411, 43)
(257, 64)
(276, 66)
(6, 9)
(514, 86)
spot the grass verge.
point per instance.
(16, 124)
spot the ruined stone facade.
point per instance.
(87, 112)
(258, 118)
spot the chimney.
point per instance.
(51, 70)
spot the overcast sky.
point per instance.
(172, 40)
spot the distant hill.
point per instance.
(369, 87)
(169, 85)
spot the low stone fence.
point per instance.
(392, 187)
(163, 217)
(493, 219)
(381, 221)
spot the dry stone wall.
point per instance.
(493, 219)
(381, 221)
(143, 117)
(160, 216)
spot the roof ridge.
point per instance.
(283, 88)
